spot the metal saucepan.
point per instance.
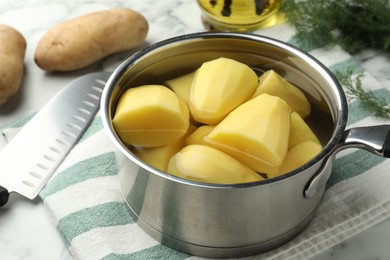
(216, 220)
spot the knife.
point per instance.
(29, 160)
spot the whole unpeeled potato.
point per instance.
(12, 51)
(81, 41)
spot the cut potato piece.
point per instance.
(207, 164)
(299, 155)
(197, 137)
(159, 157)
(300, 131)
(218, 87)
(274, 84)
(181, 85)
(150, 115)
(256, 133)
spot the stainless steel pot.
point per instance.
(215, 220)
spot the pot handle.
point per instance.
(375, 139)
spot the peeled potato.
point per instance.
(181, 85)
(299, 155)
(159, 156)
(300, 132)
(197, 137)
(150, 115)
(256, 133)
(12, 51)
(81, 41)
(207, 164)
(219, 86)
(274, 84)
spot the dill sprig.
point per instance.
(352, 24)
(354, 90)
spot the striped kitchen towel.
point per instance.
(85, 203)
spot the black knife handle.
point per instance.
(4, 195)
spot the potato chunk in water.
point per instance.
(207, 164)
(300, 131)
(219, 86)
(274, 84)
(299, 155)
(150, 115)
(256, 133)
(182, 85)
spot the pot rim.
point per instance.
(340, 122)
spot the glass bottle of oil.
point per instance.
(239, 15)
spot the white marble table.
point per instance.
(26, 231)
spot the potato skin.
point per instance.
(81, 41)
(12, 51)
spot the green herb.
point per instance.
(352, 24)
(354, 89)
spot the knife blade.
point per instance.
(29, 160)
